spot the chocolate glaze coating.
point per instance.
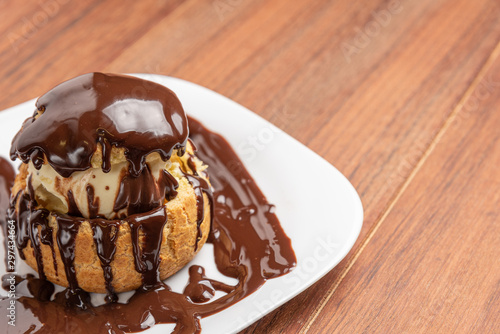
(73, 117)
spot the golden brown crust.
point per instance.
(178, 245)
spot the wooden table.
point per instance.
(403, 97)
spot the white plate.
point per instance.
(318, 208)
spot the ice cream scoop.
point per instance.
(119, 193)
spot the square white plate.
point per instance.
(322, 218)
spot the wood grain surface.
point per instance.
(401, 96)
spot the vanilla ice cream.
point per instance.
(70, 195)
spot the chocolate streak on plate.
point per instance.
(246, 233)
(67, 229)
(249, 244)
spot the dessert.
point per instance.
(114, 174)
(164, 200)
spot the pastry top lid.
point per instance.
(121, 111)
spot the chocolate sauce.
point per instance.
(201, 289)
(67, 229)
(7, 176)
(142, 193)
(72, 207)
(38, 219)
(249, 245)
(37, 230)
(147, 257)
(105, 234)
(22, 214)
(243, 218)
(200, 186)
(109, 109)
(92, 201)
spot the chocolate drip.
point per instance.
(249, 244)
(92, 201)
(168, 185)
(193, 145)
(106, 154)
(67, 229)
(192, 165)
(37, 219)
(106, 109)
(20, 218)
(30, 225)
(200, 186)
(146, 232)
(27, 221)
(72, 207)
(147, 257)
(7, 176)
(142, 193)
(11, 279)
(105, 234)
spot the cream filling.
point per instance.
(51, 189)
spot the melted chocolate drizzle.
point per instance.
(147, 257)
(109, 109)
(249, 245)
(7, 176)
(200, 186)
(92, 201)
(243, 218)
(105, 234)
(38, 219)
(142, 193)
(72, 207)
(67, 229)
(200, 288)
(37, 231)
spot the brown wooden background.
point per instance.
(403, 97)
